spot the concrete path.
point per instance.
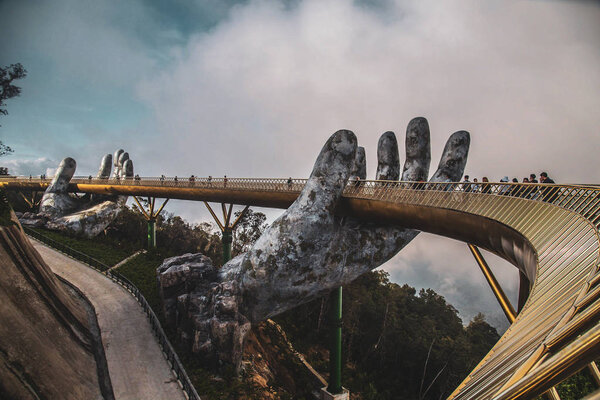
(137, 367)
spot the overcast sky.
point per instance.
(254, 89)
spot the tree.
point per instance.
(248, 230)
(8, 91)
(4, 149)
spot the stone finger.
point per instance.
(360, 164)
(388, 159)
(127, 171)
(62, 177)
(105, 167)
(454, 158)
(418, 151)
(116, 162)
(121, 162)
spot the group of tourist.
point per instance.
(511, 188)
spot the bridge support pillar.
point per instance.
(335, 355)
(151, 234)
(226, 227)
(227, 239)
(150, 214)
(32, 202)
(508, 309)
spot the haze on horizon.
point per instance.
(254, 88)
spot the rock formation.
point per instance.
(88, 216)
(304, 254)
(47, 350)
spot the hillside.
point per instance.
(47, 347)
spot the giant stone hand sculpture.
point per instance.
(89, 215)
(305, 253)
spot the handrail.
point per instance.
(167, 348)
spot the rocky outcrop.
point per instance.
(273, 365)
(46, 345)
(192, 303)
(203, 309)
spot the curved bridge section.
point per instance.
(549, 232)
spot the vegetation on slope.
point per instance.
(104, 251)
(397, 343)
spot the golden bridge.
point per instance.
(549, 232)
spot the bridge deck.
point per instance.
(550, 232)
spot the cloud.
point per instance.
(34, 167)
(269, 84)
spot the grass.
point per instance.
(101, 250)
(141, 271)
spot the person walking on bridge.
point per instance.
(549, 194)
(485, 185)
(466, 186)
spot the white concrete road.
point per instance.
(137, 367)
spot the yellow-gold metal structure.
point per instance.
(549, 232)
(508, 309)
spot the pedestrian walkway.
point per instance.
(137, 367)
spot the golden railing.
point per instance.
(550, 232)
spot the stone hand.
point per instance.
(309, 250)
(89, 215)
(305, 253)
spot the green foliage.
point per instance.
(247, 231)
(174, 236)
(577, 386)
(141, 271)
(4, 150)
(396, 343)
(101, 248)
(7, 89)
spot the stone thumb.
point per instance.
(64, 173)
(329, 175)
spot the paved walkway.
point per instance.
(137, 367)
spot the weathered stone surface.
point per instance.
(388, 158)
(308, 250)
(56, 201)
(360, 164)
(105, 166)
(61, 211)
(180, 276)
(418, 151)
(46, 346)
